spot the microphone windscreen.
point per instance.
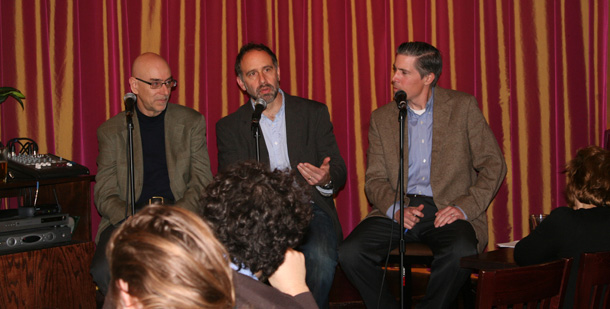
(261, 101)
(400, 96)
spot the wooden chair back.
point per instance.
(593, 285)
(536, 286)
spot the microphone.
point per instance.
(259, 107)
(400, 97)
(130, 100)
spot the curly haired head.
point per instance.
(169, 258)
(257, 214)
(589, 177)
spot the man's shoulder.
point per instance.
(303, 102)
(389, 108)
(117, 122)
(234, 117)
(442, 95)
(182, 112)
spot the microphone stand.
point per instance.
(130, 166)
(402, 112)
(256, 132)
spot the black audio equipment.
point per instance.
(33, 238)
(16, 224)
(42, 166)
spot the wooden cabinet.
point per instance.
(56, 277)
(73, 194)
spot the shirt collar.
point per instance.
(281, 111)
(244, 271)
(429, 105)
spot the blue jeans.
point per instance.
(320, 250)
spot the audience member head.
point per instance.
(168, 257)
(588, 183)
(429, 58)
(257, 214)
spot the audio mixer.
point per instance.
(42, 166)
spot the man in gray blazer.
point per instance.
(296, 134)
(171, 162)
(453, 169)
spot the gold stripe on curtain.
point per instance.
(62, 80)
(356, 101)
(151, 26)
(522, 121)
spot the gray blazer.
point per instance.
(188, 162)
(467, 165)
(310, 138)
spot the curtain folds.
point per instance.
(537, 68)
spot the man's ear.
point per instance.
(278, 73)
(429, 78)
(133, 83)
(241, 84)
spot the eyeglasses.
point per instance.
(170, 83)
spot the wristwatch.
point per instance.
(328, 186)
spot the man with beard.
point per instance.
(171, 161)
(296, 134)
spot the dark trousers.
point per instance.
(100, 271)
(362, 253)
(320, 249)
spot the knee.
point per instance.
(349, 252)
(320, 258)
(464, 245)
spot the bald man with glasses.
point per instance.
(171, 162)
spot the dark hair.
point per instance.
(248, 47)
(257, 214)
(589, 177)
(429, 58)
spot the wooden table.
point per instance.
(490, 260)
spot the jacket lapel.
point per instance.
(293, 130)
(245, 122)
(440, 121)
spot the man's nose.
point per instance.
(166, 88)
(395, 76)
(262, 79)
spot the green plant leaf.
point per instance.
(5, 92)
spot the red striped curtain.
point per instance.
(538, 69)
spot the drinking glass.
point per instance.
(535, 220)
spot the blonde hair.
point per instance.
(589, 177)
(170, 258)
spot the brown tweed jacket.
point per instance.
(188, 162)
(467, 166)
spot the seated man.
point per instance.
(295, 134)
(171, 160)
(167, 257)
(453, 169)
(260, 216)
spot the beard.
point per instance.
(269, 96)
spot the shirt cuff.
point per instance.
(458, 207)
(392, 210)
(325, 192)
